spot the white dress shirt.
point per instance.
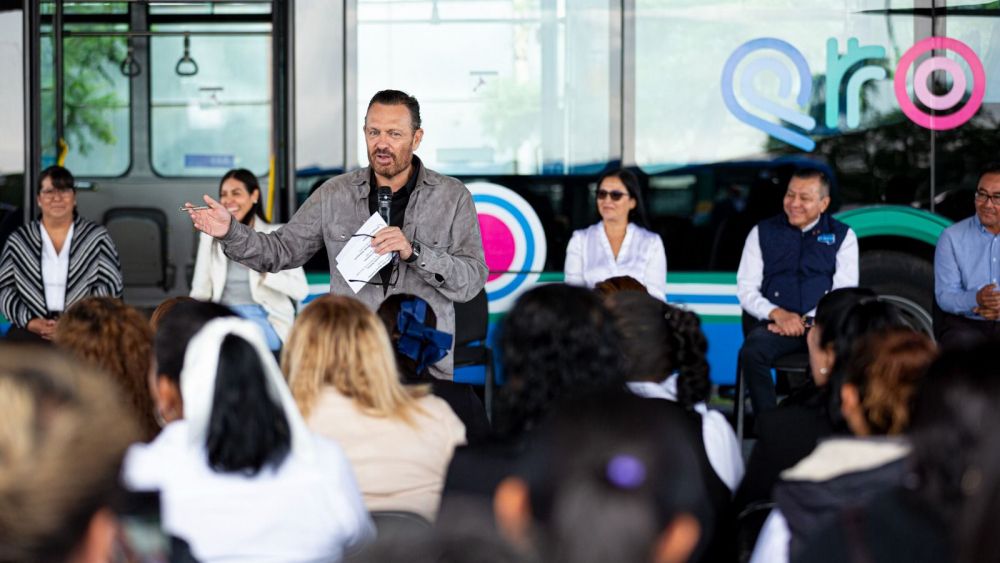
(55, 269)
(750, 275)
(590, 260)
(305, 510)
(721, 446)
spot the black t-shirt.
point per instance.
(397, 208)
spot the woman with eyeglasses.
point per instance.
(55, 261)
(619, 245)
(268, 299)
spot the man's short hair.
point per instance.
(398, 98)
(991, 168)
(815, 174)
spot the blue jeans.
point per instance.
(257, 314)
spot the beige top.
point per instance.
(398, 466)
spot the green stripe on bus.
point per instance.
(895, 220)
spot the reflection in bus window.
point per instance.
(505, 87)
(218, 118)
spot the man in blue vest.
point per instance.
(790, 261)
(967, 267)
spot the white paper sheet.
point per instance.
(358, 260)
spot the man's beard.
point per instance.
(393, 168)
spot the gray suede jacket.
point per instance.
(440, 215)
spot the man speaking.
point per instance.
(432, 222)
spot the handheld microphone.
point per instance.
(384, 202)
(384, 207)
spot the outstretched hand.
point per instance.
(213, 221)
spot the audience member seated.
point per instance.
(611, 478)
(789, 262)
(49, 264)
(62, 439)
(240, 476)
(175, 330)
(965, 270)
(117, 339)
(788, 433)
(399, 439)
(664, 351)
(875, 398)
(557, 342)
(619, 244)
(266, 298)
(947, 511)
(412, 324)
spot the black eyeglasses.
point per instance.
(982, 197)
(393, 277)
(614, 195)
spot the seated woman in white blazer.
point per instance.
(265, 298)
(618, 245)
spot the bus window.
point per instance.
(96, 102)
(504, 87)
(12, 91)
(219, 117)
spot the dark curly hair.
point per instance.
(116, 338)
(557, 342)
(659, 339)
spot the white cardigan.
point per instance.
(589, 259)
(276, 293)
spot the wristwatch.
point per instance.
(415, 254)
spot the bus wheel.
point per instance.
(904, 280)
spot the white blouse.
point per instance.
(589, 259)
(55, 269)
(306, 510)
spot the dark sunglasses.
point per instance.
(615, 196)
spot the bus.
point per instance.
(712, 102)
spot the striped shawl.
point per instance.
(94, 270)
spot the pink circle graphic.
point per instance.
(916, 115)
(931, 99)
(498, 245)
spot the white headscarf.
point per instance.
(201, 363)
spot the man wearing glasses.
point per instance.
(789, 262)
(967, 267)
(433, 223)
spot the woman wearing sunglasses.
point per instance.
(618, 245)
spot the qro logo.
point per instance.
(768, 55)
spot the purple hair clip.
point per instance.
(626, 472)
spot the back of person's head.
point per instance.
(619, 284)
(882, 378)
(558, 341)
(116, 338)
(248, 429)
(833, 306)
(62, 440)
(412, 327)
(337, 341)
(658, 340)
(165, 307)
(236, 401)
(606, 479)
(955, 417)
(176, 328)
(866, 317)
